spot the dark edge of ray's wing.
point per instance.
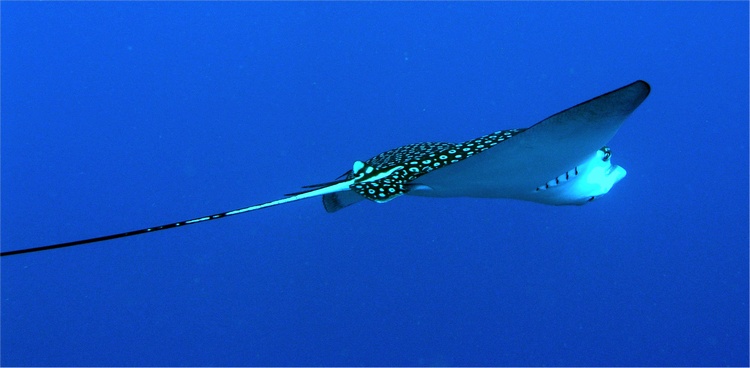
(626, 99)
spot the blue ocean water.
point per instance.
(118, 116)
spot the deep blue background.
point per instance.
(118, 116)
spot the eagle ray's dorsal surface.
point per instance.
(562, 160)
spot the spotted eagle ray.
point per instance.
(562, 160)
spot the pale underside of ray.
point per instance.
(514, 168)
